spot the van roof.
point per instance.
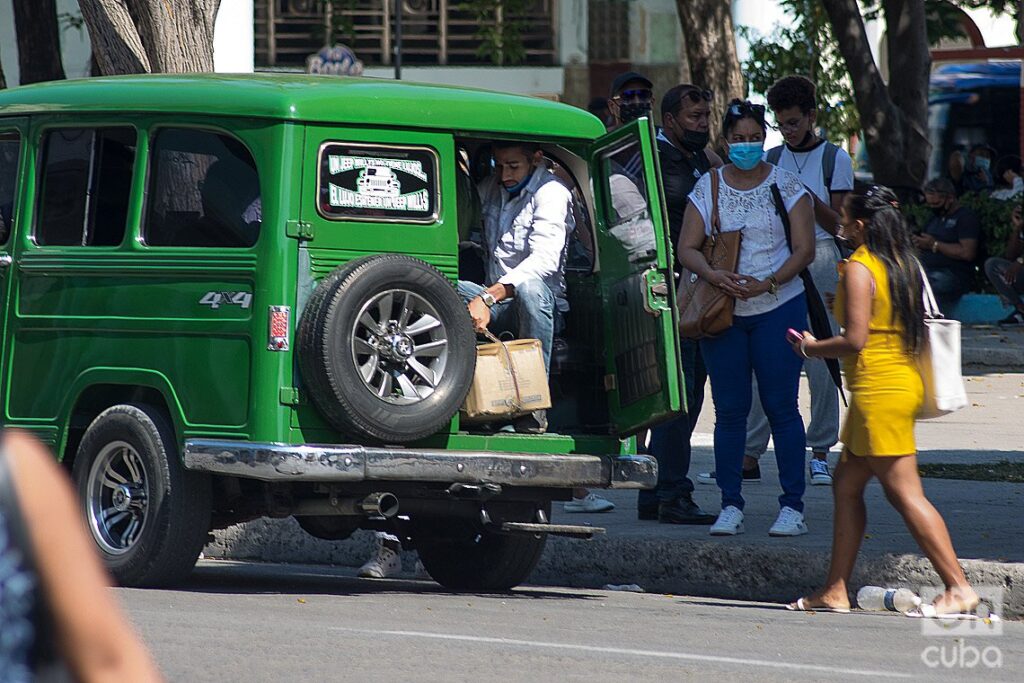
(316, 99)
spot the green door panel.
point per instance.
(643, 376)
(13, 131)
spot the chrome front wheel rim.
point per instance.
(117, 497)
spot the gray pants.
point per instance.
(823, 432)
(1013, 294)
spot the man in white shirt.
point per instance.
(527, 219)
(827, 172)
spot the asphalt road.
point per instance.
(262, 622)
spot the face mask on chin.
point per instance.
(746, 155)
(518, 187)
(694, 140)
(633, 111)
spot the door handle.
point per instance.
(6, 260)
(654, 292)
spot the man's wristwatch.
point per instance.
(488, 299)
(1020, 260)
(935, 247)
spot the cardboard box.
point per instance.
(493, 394)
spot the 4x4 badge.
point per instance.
(216, 299)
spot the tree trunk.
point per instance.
(3, 81)
(35, 22)
(895, 121)
(151, 36)
(711, 50)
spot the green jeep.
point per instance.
(229, 297)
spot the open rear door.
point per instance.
(643, 376)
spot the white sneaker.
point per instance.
(729, 522)
(820, 476)
(788, 523)
(387, 562)
(589, 503)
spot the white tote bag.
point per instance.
(939, 361)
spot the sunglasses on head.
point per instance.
(641, 95)
(741, 109)
(697, 95)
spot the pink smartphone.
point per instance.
(793, 337)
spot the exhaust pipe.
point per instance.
(380, 503)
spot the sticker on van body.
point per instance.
(377, 183)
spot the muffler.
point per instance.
(381, 503)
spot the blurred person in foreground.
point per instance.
(880, 305)
(58, 619)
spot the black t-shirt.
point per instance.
(962, 224)
(679, 174)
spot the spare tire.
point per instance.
(387, 349)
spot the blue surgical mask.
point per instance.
(746, 155)
(517, 188)
(982, 163)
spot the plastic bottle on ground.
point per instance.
(876, 598)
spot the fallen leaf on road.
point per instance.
(302, 601)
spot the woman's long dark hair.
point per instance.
(888, 238)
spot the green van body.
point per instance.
(184, 331)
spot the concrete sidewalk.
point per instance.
(992, 346)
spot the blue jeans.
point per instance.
(947, 287)
(670, 441)
(531, 314)
(758, 343)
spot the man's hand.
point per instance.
(923, 242)
(480, 313)
(1011, 273)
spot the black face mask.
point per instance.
(694, 140)
(633, 111)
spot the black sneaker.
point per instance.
(532, 423)
(1012, 320)
(751, 476)
(683, 511)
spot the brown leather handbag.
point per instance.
(705, 310)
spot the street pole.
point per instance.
(398, 40)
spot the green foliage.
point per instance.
(805, 47)
(342, 24)
(500, 40)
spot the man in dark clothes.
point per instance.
(948, 244)
(684, 156)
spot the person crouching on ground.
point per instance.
(769, 299)
(880, 306)
(527, 217)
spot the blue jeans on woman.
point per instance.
(757, 343)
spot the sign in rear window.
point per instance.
(378, 183)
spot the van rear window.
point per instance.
(378, 183)
(204, 191)
(85, 188)
(10, 145)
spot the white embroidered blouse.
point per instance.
(763, 247)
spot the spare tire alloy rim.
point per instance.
(118, 497)
(400, 346)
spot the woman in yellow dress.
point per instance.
(880, 306)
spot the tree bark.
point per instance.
(711, 51)
(35, 22)
(894, 117)
(151, 36)
(3, 81)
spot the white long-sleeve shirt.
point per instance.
(526, 236)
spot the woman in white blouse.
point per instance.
(769, 300)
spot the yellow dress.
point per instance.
(883, 378)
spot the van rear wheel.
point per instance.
(462, 556)
(147, 514)
(387, 349)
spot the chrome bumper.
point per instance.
(343, 463)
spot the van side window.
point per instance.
(204, 191)
(85, 186)
(10, 144)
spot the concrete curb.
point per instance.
(726, 568)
